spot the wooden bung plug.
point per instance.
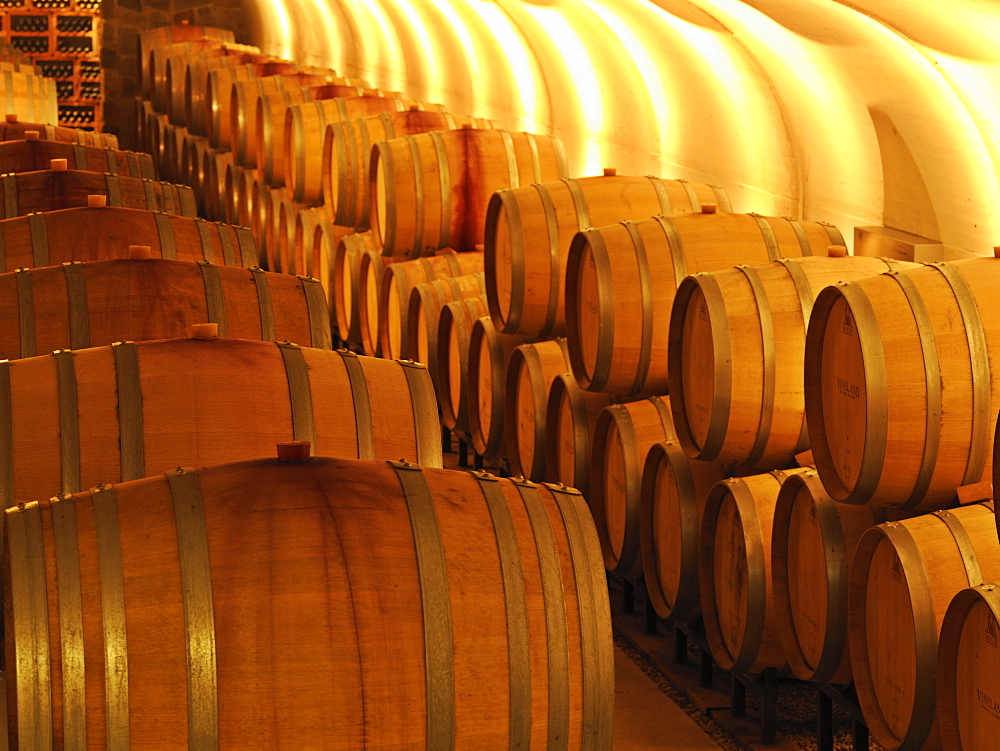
(32, 135)
(610, 171)
(709, 208)
(996, 251)
(96, 201)
(204, 331)
(140, 252)
(294, 451)
(59, 165)
(11, 117)
(836, 251)
(414, 108)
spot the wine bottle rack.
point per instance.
(62, 38)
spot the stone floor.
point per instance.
(646, 719)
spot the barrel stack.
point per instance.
(152, 368)
(787, 447)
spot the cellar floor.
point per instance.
(645, 718)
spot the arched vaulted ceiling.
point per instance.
(849, 111)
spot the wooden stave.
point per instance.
(529, 231)
(654, 272)
(583, 675)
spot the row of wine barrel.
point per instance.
(582, 258)
(267, 541)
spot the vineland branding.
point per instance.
(988, 703)
(848, 389)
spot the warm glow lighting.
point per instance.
(656, 90)
(388, 70)
(848, 111)
(588, 94)
(525, 70)
(286, 34)
(437, 75)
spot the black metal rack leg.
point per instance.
(824, 722)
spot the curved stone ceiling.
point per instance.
(854, 112)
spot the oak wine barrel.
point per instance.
(904, 577)
(128, 410)
(395, 589)
(968, 676)
(529, 230)
(454, 335)
(13, 129)
(427, 302)
(431, 190)
(385, 316)
(79, 305)
(196, 85)
(218, 95)
(813, 541)
(672, 498)
(621, 281)
(245, 95)
(489, 352)
(901, 400)
(734, 575)
(347, 150)
(623, 435)
(49, 190)
(96, 234)
(735, 356)
(570, 420)
(531, 368)
(305, 134)
(33, 155)
(182, 70)
(269, 139)
(165, 35)
(346, 267)
(160, 89)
